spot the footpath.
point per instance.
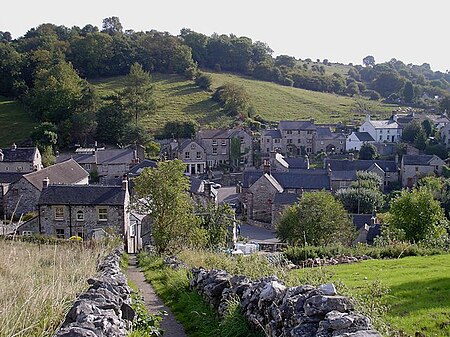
(153, 303)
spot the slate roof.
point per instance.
(274, 182)
(137, 169)
(364, 137)
(295, 179)
(360, 165)
(285, 198)
(20, 154)
(107, 156)
(82, 195)
(296, 163)
(297, 125)
(272, 133)
(67, 172)
(422, 160)
(344, 175)
(385, 124)
(9, 177)
(249, 177)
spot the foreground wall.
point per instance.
(280, 311)
(104, 309)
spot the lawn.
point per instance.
(15, 123)
(181, 100)
(419, 297)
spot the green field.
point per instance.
(419, 297)
(179, 99)
(15, 124)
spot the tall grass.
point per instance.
(38, 284)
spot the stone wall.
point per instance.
(280, 311)
(104, 309)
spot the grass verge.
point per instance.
(189, 308)
(40, 282)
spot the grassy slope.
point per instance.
(15, 124)
(420, 290)
(179, 99)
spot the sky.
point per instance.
(339, 30)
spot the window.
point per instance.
(387, 131)
(214, 150)
(417, 169)
(308, 149)
(224, 143)
(268, 140)
(214, 142)
(437, 167)
(309, 140)
(309, 132)
(199, 155)
(187, 155)
(80, 234)
(59, 212)
(381, 137)
(277, 140)
(19, 168)
(321, 142)
(242, 140)
(289, 132)
(193, 146)
(80, 216)
(289, 141)
(27, 233)
(299, 141)
(87, 167)
(60, 233)
(102, 214)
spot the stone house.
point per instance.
(109, 165)
(367, 227)
(282, 164)
(384, 130)
(388, 170)
(202, 192)
(193, 155)
(84, 210)
(356, 139)
(271, 141)
(7, 179)
(23, 195)
(20, 159)
(232, 147)
(329, 142)
(259, 189)
(413, 167)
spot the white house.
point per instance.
(357, 139)
(383, 131)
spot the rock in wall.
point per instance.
(281, 311)
(104, 309)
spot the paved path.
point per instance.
(153, 303)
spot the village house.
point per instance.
(413, 167)
(202, 192)
(259, 189)
(106, 165)
(280, 163)
(297, 138)
(191, 153)
(357, 139)
(383, 130)
(20, 159)
(387, 170)
(23, 195)
(232, 148)
(84, 211)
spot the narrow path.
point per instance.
(153, 303)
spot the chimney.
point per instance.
(351, 156)
(45, 182)
(312, 120)
(14, 147)
(124, 183)
(2, 156)
(307, 161)
(394, 117)
(367, 118)
(207, 189)
(95, 145)
(266, 167)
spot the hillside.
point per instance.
(15, 123)
(181, 100)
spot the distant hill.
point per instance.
(181, 100)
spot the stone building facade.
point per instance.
(20, 159)
(413, 167)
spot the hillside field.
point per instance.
(419, 296)
(15, 123)
(180, 99)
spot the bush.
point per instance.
(204, 81)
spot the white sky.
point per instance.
(339, 30)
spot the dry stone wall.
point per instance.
(104, 309)
(281, 311)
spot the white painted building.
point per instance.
(357, 139)
(388, 131)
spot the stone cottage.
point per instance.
(84, 210)
(23, 195)
(413, 167)
(20, 159)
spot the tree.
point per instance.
(369, 61)
(204, 81)
(112, 121)
(317, 219)
(408, 92)
(411, 130)
(112, 25)
(428, 127)
(234, 98)
(137, 96)
(444, 104)
(45, 134)
(418, 215)
(218, 223)
(368, 152)
(161, 193)
(387, 83)
(420, 141)
(352, 89)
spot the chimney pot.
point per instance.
(266, 169)
(45, 182)
(125, 183)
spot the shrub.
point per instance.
(204, 81)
